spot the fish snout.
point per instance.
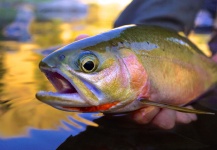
(47, 64)
(43, 64)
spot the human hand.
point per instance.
(163, 118)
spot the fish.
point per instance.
(126, 69)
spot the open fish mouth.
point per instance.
(68, 96)
(61, 84)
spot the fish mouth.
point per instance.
(68, 96)
(61, 84)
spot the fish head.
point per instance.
(90, 78)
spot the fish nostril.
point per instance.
(61, 57)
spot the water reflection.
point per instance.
(19, 85)
(65, 10)
(48, 138)
(26, 123)
(2, 69)
(19, 28)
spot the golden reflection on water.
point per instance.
(21, 81)
(20, 77)
(201, 41)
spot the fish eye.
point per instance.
(88, 63)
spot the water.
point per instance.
(26, 123)
(22, 116)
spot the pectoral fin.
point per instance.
(173, 107)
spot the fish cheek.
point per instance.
(115, 83)
(112, 80)
(137, 74)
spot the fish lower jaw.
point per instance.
(62, 99)
(71, 102)
(98, 108)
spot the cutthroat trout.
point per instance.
(126, 69)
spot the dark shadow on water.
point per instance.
(119, 133)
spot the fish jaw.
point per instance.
(68, 93)
(69, 96)
(71, 102)
(59, 100)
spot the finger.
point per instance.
(145, 115)
(182, 118)
(82, 36)
(165, 119)
(185, 117)
(193, 117)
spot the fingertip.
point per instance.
(145, 115)
(185, 117)
(165, 119)
(182, 118)
(193, 117)
(82, 36)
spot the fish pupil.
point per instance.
(89, 65)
